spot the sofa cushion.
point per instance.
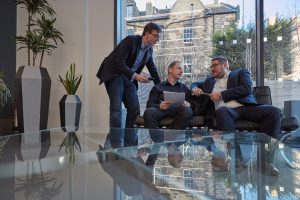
(289, 123)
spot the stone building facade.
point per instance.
(295, 75)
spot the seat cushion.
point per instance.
(139, 121)
(197, 121)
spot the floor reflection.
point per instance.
(195, 164)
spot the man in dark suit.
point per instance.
(120, 72)
(231, 94)
(159, 108)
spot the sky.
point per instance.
(282, 8)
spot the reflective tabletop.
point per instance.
(146, 164)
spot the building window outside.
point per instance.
(130, 11)
(187, 64)
(129, 32)
(187, 173)
(187, 34)
(188, 183)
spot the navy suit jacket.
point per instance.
(122, 58)
(239, 87)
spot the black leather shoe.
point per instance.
(239, 165)
(271, 170)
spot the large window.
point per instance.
(282, 51)
(195, 32)
(187, 64)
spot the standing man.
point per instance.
(158, 108)
(120, 72)
(231, 93)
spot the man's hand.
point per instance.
(196, 91)
(186, 104)
(215, 96)
(141, 78)
(164, 105)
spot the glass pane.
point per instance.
(194, 32)
(282, 54)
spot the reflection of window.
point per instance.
(188, 183)
(130, 11)
(187, 64)
(157, 170)
(187, 173)
(187, 34)
(161, 180)
(129, 32)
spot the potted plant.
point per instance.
(33, 82)
(70, 104)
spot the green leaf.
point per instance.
(71, 81)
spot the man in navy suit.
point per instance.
(231, 94)
(120, 72)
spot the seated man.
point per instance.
(158, 108)
(231, 93)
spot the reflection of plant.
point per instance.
(4, 94)
(71, 81)
(38, 185)
(3, 141)
(70, 143)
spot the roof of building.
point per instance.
(210, 9)
(221, 8)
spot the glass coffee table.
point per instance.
(145, 164)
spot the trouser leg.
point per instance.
(115, 91)
(131, 103)
(267, 116)
(226, 118)
(152, 116)
(182, 117)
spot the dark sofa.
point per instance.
(263, 96)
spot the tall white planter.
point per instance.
(70, 108)
(33, 86)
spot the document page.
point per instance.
(174, 97)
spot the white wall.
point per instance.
(88, 32)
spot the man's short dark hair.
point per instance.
(221, 59)
(150, 27)
(173, 63)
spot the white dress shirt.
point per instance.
(221, 85)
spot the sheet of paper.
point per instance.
(174, 97)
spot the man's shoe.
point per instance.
(239, 165)
(271, 170)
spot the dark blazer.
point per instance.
(122, 58)
(239, 87)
